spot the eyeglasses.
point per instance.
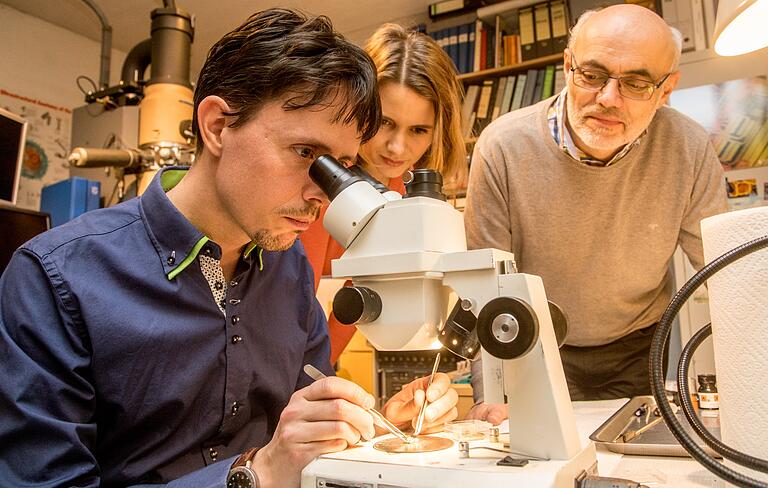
(629, 86)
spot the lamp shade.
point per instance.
(741, 26)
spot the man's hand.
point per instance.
(326, 416)
(494, 413)
(403, 408)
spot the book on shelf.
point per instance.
(462, 39)
(548, 85)
(477, 46)
(490, 47)
(559, 17)
(511, 49)
(450, 8)
(542, 29)
(530, 87)
(445, 7)
(527, 34)
(452, 46)
(483, 112)
(468, 108)
(517, 97)
(499, 95)
(506, 100)
(539, 86)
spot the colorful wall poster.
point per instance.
(47, 146)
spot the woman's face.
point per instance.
(405, 135)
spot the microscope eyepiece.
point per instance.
(331, 176)
(424, 183)
(356, 305)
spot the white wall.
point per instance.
(42, 61)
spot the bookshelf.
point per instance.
(492, 93)
(507, 70)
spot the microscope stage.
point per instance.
(366, 467)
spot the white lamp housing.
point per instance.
(740, 27)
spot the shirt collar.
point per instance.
(557, 116)
(175, 239)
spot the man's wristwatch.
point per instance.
(241, 475)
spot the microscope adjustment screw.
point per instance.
(463, 450)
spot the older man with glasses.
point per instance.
(593, 190)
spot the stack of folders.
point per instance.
(485, 102)
(543, 29)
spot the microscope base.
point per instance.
(365, 467)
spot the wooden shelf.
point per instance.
(513, 68)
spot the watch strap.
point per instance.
(245, 458)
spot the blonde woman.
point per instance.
(421, 128)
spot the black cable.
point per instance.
(656, 368)
(80, 87)
(687, 405)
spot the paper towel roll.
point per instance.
(738, 304)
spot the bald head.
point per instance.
(632, 27)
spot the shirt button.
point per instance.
(213, 453)
(234, 301)
(207, 251)
(235, 408)
(218, 285)
(236, 339)
(235, 319)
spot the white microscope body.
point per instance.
(407, 255)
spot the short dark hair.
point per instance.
(282, 52)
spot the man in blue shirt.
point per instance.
(161, 340)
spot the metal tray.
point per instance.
(656, 441)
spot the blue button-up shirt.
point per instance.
(120, 368)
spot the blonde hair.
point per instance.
(415, 60)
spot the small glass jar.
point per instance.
(709, 399)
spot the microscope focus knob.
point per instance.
(559, 322)
(507, 328)
(356, 305)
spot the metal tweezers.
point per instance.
(420, 418)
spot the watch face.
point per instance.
(242, 477)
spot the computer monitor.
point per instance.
(17, 226)
(13, 131)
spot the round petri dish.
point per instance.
(422, 443)
(467, 430)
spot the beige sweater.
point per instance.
(601, 238)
